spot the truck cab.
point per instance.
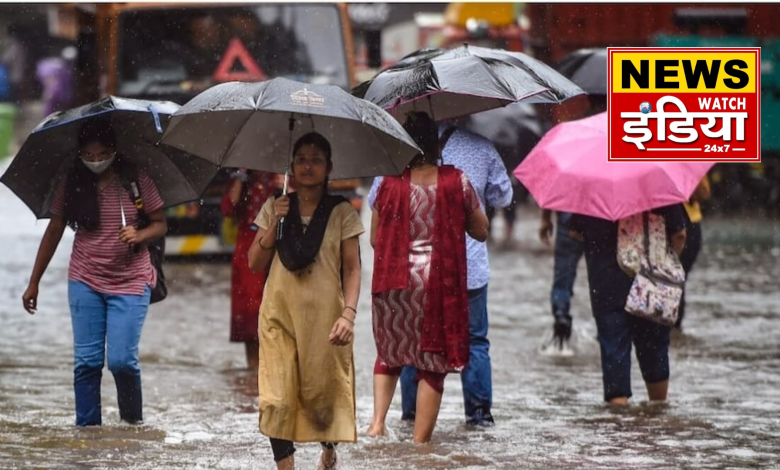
(173, 51)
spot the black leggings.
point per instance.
(283, 448)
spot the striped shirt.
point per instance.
(99, 259)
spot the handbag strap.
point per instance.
(646, 241)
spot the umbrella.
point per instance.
(514, 130)
(587, 68)
(568, 171)
(51, 148)
(449, 83)
(253, 125)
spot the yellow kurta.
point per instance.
(306, 384)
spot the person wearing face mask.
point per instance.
(110, 273)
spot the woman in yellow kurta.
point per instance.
(306, 376)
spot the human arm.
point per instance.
(678, 241)
(47, 248)
(499, 191)
(674, 220)
(153, 204)
(264, 245)
(232, 196)
(546, 227)
(702, 191)
(477, 225)
(374, 226)
(343, 332)
(576, 226)
(372, 195)
(157, 228)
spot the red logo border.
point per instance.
(756, 50)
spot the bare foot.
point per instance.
(376, 429)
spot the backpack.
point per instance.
(129, 178)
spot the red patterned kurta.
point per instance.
(247, 287)
(398, 314)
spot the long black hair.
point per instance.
(319, 141)
(81, 195)
(423, 130)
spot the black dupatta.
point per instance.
(298, 247)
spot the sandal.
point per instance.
(332, 465)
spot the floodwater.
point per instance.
(200, 404)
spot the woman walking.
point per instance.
(110, 274)
(243, 201)
(419, 302)
(306, 376)
(617, 329)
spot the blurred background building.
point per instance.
(54, 56)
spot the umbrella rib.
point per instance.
(233, 140)
(374, 131)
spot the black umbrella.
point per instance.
(52, 147)
(587, 68)
(514, 130)
(253, 125)
(449, 83)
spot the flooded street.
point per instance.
(200, 404)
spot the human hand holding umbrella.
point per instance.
(253, 125)
(52, 148)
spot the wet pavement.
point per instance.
(200, 404)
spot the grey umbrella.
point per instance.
(253, 125)
(51, 149)
(587, 68)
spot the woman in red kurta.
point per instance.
(419, 298)
(243, 201)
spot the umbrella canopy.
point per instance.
(587, 68)
(514, 130)
(568, 171)
(253, 125)
(449, 83)
(49, 151)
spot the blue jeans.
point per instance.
(617, 329)
(106, 322)
(568, 252)
(476, 377)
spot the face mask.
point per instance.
(99, 167)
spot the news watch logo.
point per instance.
(694, 104)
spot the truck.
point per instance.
(496, 25)
(557, 29)
(173, 51)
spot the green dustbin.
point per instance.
(7, 115)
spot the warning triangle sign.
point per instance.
(225, 72)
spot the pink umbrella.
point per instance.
(568, 171)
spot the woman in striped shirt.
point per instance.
(110, 273)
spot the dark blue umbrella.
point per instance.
(51, 149)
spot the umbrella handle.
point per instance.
(280, 225)
(156, 116)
